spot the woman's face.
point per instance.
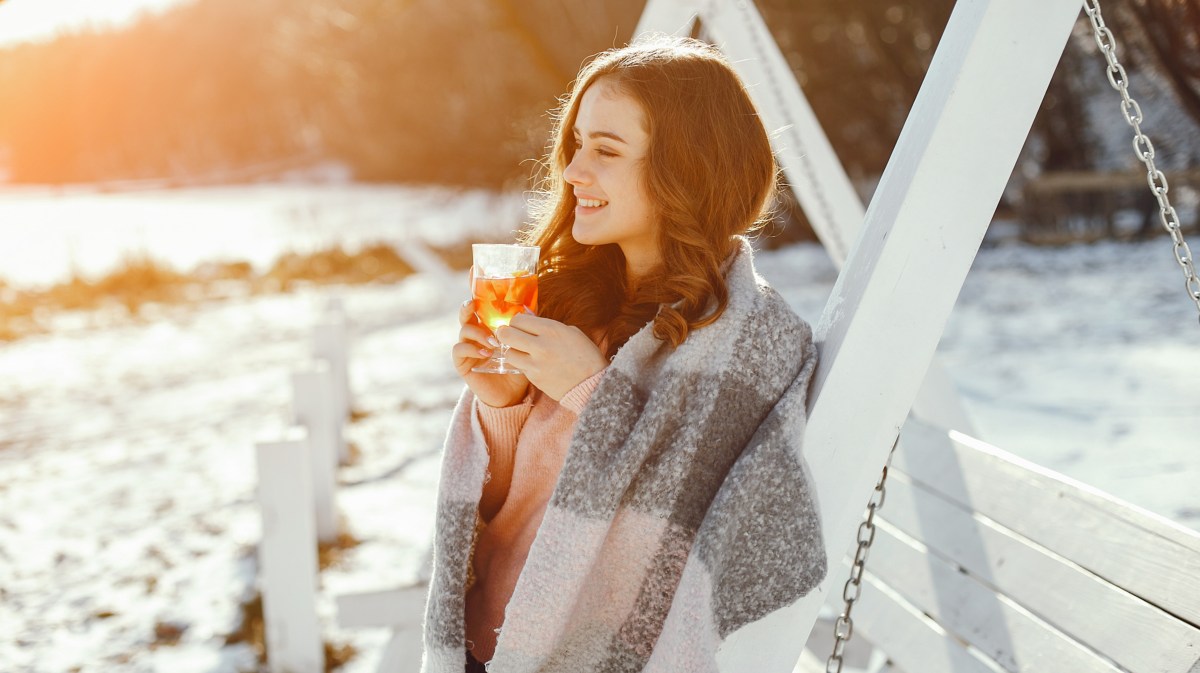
(611, 145)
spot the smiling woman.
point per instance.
(639, 492)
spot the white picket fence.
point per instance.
(287, 555)
(297, 494)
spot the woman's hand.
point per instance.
(472, 349)
(556, 357)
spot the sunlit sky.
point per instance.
(39, 20)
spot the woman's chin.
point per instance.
(584, 237)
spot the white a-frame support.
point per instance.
(905, 269)
(814, 173)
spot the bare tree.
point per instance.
(1168, 35)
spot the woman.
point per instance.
(640, 493)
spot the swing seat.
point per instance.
(984, 561)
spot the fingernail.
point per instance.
(485, 352)
(493, 342)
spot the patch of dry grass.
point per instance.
(334, 265)
(331, 553)
(140, 280)
(252, 631)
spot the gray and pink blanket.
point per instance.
(684, 510)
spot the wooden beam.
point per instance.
(804, 151)
(403, 652)
(813, 170)
(287, 555)
(400, 608)
(673, 17)
(903, 275)
(314, 407)
(331, 342)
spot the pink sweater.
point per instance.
(526, 444)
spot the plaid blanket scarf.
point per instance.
(684, 509)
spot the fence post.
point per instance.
(331, 342)
(288, 556)
(313, 407)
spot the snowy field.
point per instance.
(63, 230)
(127, 519)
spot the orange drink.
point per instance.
(497, 300)
(503, 284)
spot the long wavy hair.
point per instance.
(709, 172)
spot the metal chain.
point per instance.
(1144, 149)
(843, 628)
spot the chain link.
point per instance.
(1144, 149)
(843, 628)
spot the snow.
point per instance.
(90, 232)
(126, 451)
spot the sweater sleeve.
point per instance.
(501, 430)
(577, 398)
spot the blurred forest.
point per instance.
(430, 91)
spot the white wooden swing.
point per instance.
(981, 562)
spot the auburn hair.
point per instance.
(709, 172)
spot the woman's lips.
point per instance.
(587, 206)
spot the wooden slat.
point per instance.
(401, 608)
(1135, 634)
(1141, 552)
(813, 169)
(313, 405)
(287, 554)
(910, 638)
(1010, 636)
(403, 652)
(1096, 181)
(331, 343)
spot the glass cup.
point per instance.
(503, 284)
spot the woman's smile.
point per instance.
(589, 206)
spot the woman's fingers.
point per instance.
(464, 352)
(514, 337)
(477, 334)
(527, 322)
(522, 361)
(466, 312)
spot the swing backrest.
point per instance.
(987, 562)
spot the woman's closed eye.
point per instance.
(602, 152)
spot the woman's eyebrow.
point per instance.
(602, 134)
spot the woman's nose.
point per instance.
(575, 173)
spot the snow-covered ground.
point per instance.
(126, 452)
(46, 234)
